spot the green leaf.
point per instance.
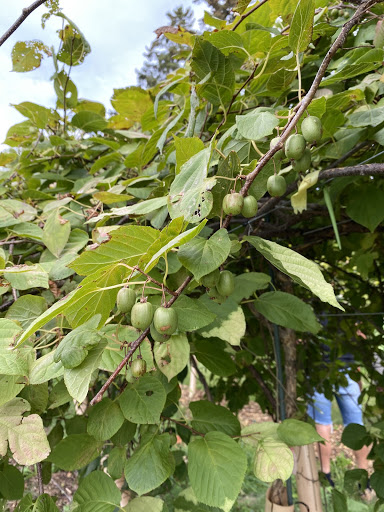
(150, 465)
(173, 355)
(11, 483)
(211, 353)
(186, 501)
(15, 212)
(74, 347)
(19, 431)
(116, 461)
(297, 433)
(143, 401)
(191, 314)
(216, 469)
(89, 121)
(370, 117)
(27, 55)
(300, 269)
(256, 125)
(355, 436)
(75, 451)
(288, 311)
(8, 332)
(41, 318)
(26, 309)
(329, 205)
(105, 419)
(202, 256)
(36, 396)
(209, 417)
(364, 205)
(77, 379)
(146, 504)
(131, 102)
(10, 386)
(40, 116)
(190, 194)
(56, 232)
(246, 284)
(339, 501)
(166, 246)
(253, 433)
(214, 71)
(300, 33)
(97, 492)
(228, 168)
(273, 460)
(24, 277)
(229, 324)
(186, 148)
(128, 244)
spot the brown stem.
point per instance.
(135, 345)
(24, 14)
(171, 292)
(183, 425)
(244, 16)
(40, 478)
(202, 379)
(256, 375)
(303, 105)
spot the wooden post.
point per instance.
(307, 479)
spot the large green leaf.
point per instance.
(26, 309)
(364, 205)
(105, 419)
(246, 284)
(150, 465)
(256, 125)
(370, 117)
(75, 451)
(24, 277)
(288, 311)
(190, 194)
(27, 55)
(44, 369)
(97, 492)
(273, 460)
(202, 256)
(10, 386)
(128, 244)
(25, 435)
(186, 148)
(143, 401)
(303, 271)
(146, 504)
(214, 71)
(300, 32)
(211, 353)
(209, 417)
(77, 379)
(172, 356)
(229, 324)
(192, 314)
(297, 433)
(216, 469)
(56, 232)
(11, 483)
(131, 102)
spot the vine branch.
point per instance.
(24, 14)
(244, 16)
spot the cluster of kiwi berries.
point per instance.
(295, 149)
(162, 322)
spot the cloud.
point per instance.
(118, 33)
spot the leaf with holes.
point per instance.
(143, 401)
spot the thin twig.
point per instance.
(183, 425)
(25, 13)
(135, 345)
(202, 379)
(171, 292)
(244, 16)
(40, 478)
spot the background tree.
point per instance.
(164, 56)
(221, 9)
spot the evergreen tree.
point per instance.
(162, 56)
(219, 8)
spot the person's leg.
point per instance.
(319, 409)
(348, 401)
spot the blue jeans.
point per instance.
(319, 408)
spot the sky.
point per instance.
(118, 32)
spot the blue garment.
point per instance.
(319, 408)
